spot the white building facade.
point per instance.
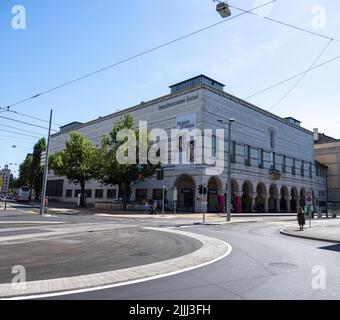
(273, 160)
(5, 174)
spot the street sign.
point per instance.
(309, 198)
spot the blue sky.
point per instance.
(66, 39)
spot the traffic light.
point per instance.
(205, 190)
(166, 193)
(200, 189)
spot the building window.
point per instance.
(272, 138)
(294, 167)
(54, 188)
(99, 193)
(111, 194)
(284, 164)
(261, 158)
(233, 152)
(76, 192)
(302, 168)
(88, 193)
(214, 146)
(310, 170)
(68, 193)
(247, 155)
(272, 160)
(141, 194)
(160, 174)
(157, 194)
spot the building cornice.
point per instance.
(175, 95)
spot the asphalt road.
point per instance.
(263, 265)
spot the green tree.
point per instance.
(37, 171)
(1, 182)
(25, 172)
(110, 171)
(77, 162)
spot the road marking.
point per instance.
(212, 250)
(31, 222)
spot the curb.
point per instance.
(284, 232)
(212, 250)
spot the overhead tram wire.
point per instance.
(286, 24)
(26, 123)
(21, 134)
(23, 130)
(292, 78)
(137, 55)
(28, 116)
(302, 76)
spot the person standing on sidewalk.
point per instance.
(301, 218)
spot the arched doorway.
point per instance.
(235, 199)
(273, 196)
(293, 203)
(215, 204)
(260, 198)
(247, 190)
(186, 193)
(283, 201)
(302, 197)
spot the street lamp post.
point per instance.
(229, 124)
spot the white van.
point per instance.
(24, 194)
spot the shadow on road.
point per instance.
(335, 247)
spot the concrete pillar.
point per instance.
(253, 201)
(266, 203)
(288, 199)
(238, 202)
(297, 202)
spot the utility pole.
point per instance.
(163, 199)
(43, 193)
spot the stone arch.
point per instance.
(235, 196)
(247, 192)
(302, 197)
(214, 190)
(186, 188)
(273, 198)
(261, 197)
(294, 199)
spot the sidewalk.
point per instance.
(322, 230)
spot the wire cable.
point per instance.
(137, 55)
(28, 116)
(291, 78)
(286, 24)
(16, 128)
(302, 77)
(21, 134)
(27, 123)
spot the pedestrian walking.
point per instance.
(146, 207)
(154, 207)
(301, 218)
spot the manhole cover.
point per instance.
(283, 265)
